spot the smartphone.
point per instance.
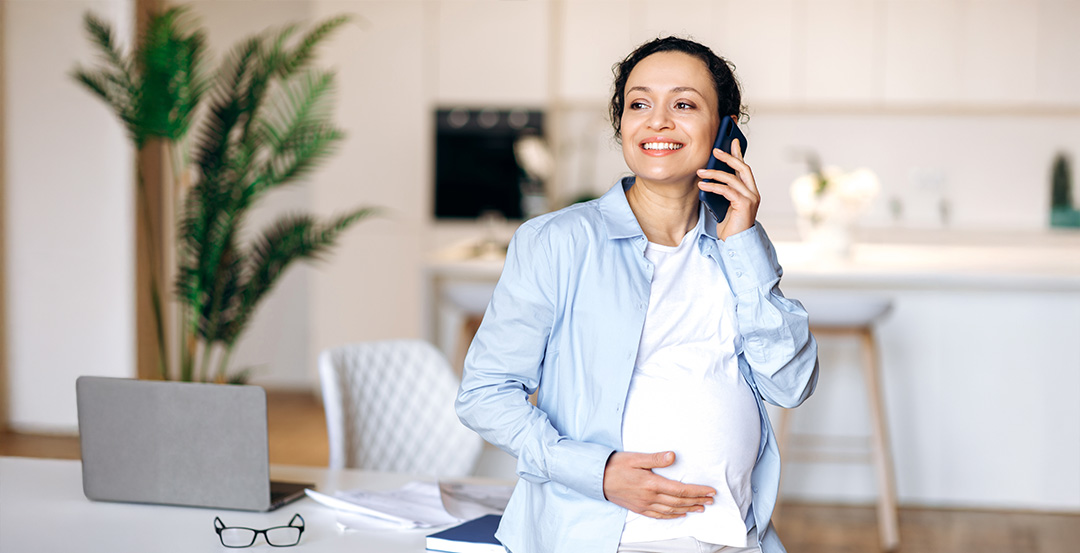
(717, 204)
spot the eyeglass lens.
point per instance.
(237, 537)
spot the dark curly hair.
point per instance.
(729, 96)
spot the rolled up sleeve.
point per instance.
(775, 330)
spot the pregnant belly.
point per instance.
(711, 423)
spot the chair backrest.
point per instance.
(390, 407)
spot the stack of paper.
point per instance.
(415, 505)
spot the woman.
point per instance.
(652, 334)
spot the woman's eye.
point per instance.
(684, 105)
(637, 105)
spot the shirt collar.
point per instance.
(620, 221)
(615, 210)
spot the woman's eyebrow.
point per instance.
(676, 90)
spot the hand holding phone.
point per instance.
(729, 131)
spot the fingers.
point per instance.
(736, 163)
(663, 511)
(730, 187)
(654, 460)
(630, 482)
(688, 492)
(674, 506)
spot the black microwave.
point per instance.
(475, 167)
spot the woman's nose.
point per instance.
(659, 119)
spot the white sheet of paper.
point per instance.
(415, 505)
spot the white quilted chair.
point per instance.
(390, 407)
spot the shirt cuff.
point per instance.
(749, 260)
(580, 466)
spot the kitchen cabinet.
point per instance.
(1058, 53)
(921, 55)
(998, 50)
(593, 35)
(761, 41)
(841, 56)
(491, 52)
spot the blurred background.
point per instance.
(958, 108)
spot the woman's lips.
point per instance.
(658, 147)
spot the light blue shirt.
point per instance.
(565, 319)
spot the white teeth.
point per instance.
(661, 146)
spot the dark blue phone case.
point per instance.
(717, 204)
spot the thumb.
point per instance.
(661, 459)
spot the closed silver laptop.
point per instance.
(177, 443)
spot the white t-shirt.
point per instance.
(687, 396)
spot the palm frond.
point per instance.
(287, 240)
(299, 103)
(115, 80)
(173, 80)
(272, 55)
(304, 52)
(101, 34)
(226, 111)
(222, 292)
(298, 156)
(104, 86)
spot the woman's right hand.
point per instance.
(630, 482)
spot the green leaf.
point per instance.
(304, 53)
(288, 239)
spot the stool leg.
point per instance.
(888, 522)
(783, 431)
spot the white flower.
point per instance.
(842, 195)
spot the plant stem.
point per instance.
(208, 348)
(224, 365)
(155, 294)
(185, 333)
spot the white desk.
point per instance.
(42, 509)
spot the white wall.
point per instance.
(69, 220)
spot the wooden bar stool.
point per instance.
(851, 315)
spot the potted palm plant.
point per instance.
(259, 121)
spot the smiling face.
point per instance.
(670, 120)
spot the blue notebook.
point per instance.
(474, 536)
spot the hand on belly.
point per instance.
(630, 482)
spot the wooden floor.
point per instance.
(298, 437)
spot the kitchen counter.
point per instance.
(907, 266)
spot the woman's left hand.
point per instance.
(739, 189)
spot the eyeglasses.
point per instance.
(278, 536)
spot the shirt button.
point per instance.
(731, 254)
(738, 273)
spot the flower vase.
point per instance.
(829, 237)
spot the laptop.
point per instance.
(177, 443)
